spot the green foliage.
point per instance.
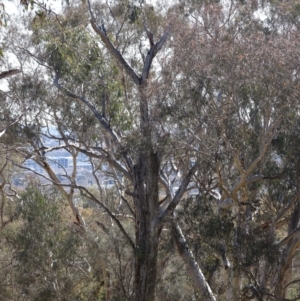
(134, 14)
(208, 227)
(73, 53)
(255, 247)
(43, 246)
(214, 93)
(51, 259)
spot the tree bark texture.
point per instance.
(146, 225)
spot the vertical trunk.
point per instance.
(263, 274)
(145, 172)
(147, 228)
(106, 278)
(146, 175)
(285, 269)
(234, 284)
(285, 272)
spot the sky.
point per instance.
(14, 5)
(12, 10)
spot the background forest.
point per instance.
(150, 151)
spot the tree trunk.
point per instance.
(285, 269)
(193, 269)
(147, 226)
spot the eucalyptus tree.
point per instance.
(239, 76)
(197, 96)
(118, 129)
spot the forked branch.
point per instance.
(100, 30)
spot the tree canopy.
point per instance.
(185, 116)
